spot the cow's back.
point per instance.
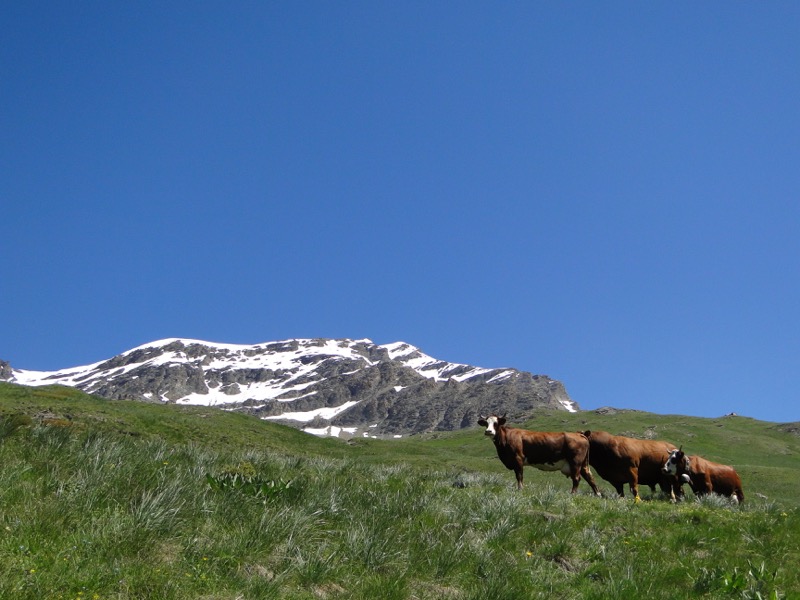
(651, 456)
(723, 479)
(608, 457)
(614, 457)
(549, 447)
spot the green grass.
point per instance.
(107, 499)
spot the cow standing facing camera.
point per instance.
(564, 451)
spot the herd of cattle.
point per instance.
(617, 459)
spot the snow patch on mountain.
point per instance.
(304, 417)
(432, 368)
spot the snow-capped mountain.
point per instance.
(324, 386)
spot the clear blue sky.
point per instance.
(608, 194)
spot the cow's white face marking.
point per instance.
(491, 426)
(671, 466)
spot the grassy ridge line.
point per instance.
(217, 429)
(211, 427)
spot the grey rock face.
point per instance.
(5, 371)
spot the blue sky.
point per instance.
(606, 194)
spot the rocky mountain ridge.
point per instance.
(323, 386)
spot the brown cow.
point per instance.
(620, 460)
(704, 476)
(563, 451)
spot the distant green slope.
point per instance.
(766, 456)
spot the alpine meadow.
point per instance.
(103, 499)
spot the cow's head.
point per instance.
(677, 463)
(492, 424)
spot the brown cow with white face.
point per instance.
(619, 460)
(704, 476)
(563, 451)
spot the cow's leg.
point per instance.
(677, 489)
(575, 475)
(668, 489)
(634, 483)
(635, 490)
(518, 473)
(620, 487)
(587, 475)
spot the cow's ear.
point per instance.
(501, 420)
(483, 422)
(588, 433)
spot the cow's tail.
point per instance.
(586, 469)
(586, 435)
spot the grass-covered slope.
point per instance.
(102, 499)
(68, 407)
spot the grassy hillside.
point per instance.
(108, 499)
(67, 407)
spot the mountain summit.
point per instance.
(324, 386)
